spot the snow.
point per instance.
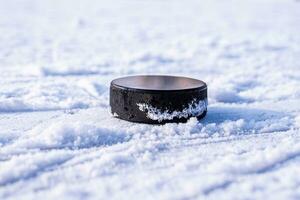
(58, 139)
(193, 109)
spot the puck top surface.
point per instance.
(158, 83)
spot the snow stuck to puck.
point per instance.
(158, 99)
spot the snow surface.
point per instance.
(58, 139)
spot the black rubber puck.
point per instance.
(158, 99)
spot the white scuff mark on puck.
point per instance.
(194, 109)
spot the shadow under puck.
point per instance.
(157, 99)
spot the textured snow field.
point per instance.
(58, 139)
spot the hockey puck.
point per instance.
(158, 99)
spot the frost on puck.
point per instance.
(158, 99)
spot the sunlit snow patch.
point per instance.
(194, 109)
